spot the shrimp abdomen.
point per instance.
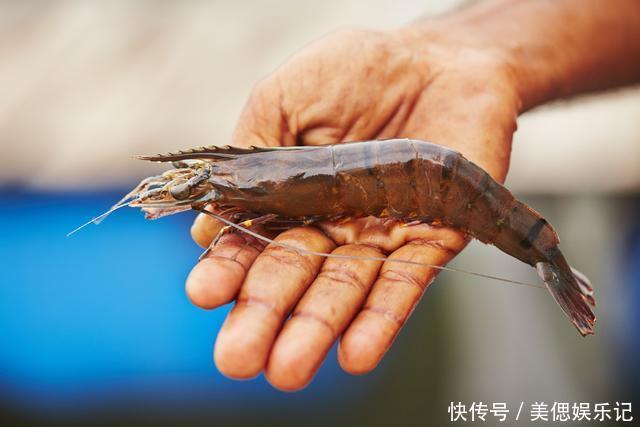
(467, 198)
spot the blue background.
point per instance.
(96, 327)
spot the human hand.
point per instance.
(351, 86)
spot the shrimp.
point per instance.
(406, 180)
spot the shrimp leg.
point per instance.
(287, 223)
(249, 223)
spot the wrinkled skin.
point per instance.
(352, 85)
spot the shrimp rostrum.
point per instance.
(407, 180)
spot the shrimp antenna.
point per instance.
(364, 258)
(99, 218)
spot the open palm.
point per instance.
(351, 86)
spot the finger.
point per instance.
(260, 124)
(204, 229)
(215, 280)
(320, 317)
(261, 121)
(392, 299)
(274, 284)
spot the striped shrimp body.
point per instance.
(408, 180)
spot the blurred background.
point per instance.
(96, 329)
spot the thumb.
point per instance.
(261, 124)
(262, 121)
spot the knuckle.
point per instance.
(438, 244)
(270, 307)
(226, 262)
(360, 249)
(254, 247)
(349, 272)
(236, 243)
(311, 236)
(296, 240)
(386, 314)
(344, 275)
(405, 277)
(288, 257)
(315, 318)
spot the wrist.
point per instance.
(550, 49)
(533, 71)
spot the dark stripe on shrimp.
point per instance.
(482, 188)
(449, 166)
(449, 171)
(534, 231)
(370, 158)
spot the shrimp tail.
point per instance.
(571, 290)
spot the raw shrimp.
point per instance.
(403, 179)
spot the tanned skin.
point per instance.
(459, 80)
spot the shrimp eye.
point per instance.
(180, 191)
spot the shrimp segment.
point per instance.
(404, 179)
